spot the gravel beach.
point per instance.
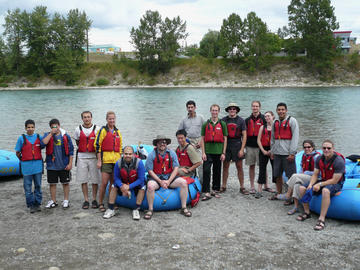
(233, 232)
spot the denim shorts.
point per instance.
(332, 188)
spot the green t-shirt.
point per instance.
(212, 147)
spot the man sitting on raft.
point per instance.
(129, 174)
(331, 165)
(162, 165)
(189, 158)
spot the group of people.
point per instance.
(204, 147)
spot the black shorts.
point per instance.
(136, 190)
(54, 176)
(232, 152)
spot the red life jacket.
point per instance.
(31, 151)
(265, 137)
(308, 162)
(214, 133)
(162, 165)
(183, 157)
(111, 141)
(129, 174)
(50, 145)
(234, 131)
(86, 143)
(284, 132)
(253, 126)
(327, 171)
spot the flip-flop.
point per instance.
(148, 215)
(215, 194)
(206, 197)
(269, 190)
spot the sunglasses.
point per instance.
(232, 109)
(306, 147)
(163, 142)
(327, 148)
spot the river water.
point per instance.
(143, 113)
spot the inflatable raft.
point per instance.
(9, 163)
(165, 199)
(346, 203)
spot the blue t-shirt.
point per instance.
(29, 167)
(149, 165)
(58, 163)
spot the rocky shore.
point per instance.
(233, 232)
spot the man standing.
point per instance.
(87, 170)
(253, 124)
(192, 124)
(213, 145)
(284, 141)
(162, 165)
(108, 146)
(59, 158)
(189, 158)
(235, 145)
(129, 174)
(331, 165)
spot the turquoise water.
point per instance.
(143, 113)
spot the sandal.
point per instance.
(85, 205)
(252, 191)
(273, 197)
(244, 191)
(303, 217)
(102, 207)
(148, 215)
(258, 195)
(206, 197)
(185, 212)
(293, 211)
(94, 204)
(215, 194)
(222, 189)
(289, 201)
(269, 190)
(320, 225)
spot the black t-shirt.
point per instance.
(241, 126)
(251, 141)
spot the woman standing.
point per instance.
(263, 141)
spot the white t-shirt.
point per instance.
(87, 132)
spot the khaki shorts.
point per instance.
(87, 171)
(252, 156)
(107, 168)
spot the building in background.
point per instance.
(347, 42)
(104, 49)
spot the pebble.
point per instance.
(230, 235)
(105, 236)
(175, 247)
(21, 250)
(81, 215)
(54, 268)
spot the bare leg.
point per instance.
(289, 193)
(53, 192)
(226, 165)
(112, 196)
(150, 193)
(84, 188)
(104, 181)
(325, 203)
(279, 184)
(66, 188)
(240, 172)
(181, 183)
(94, 191)
(140, 197)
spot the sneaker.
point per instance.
(32, 210)
(136, 214)
(109, 213)
(51, 204)
(37, 208)
(65, 204)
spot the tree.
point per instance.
(15, 37)
(157, 41)
(313, 21)
(3, 65)
(191, 50)
(210, 45)
(232, 35)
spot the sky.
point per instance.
(113, 19)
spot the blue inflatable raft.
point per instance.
(165, 199)
(346, 203)
(9, 163)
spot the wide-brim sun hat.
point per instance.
(232, 104)
(161, 137)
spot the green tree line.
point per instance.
(37, 43)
